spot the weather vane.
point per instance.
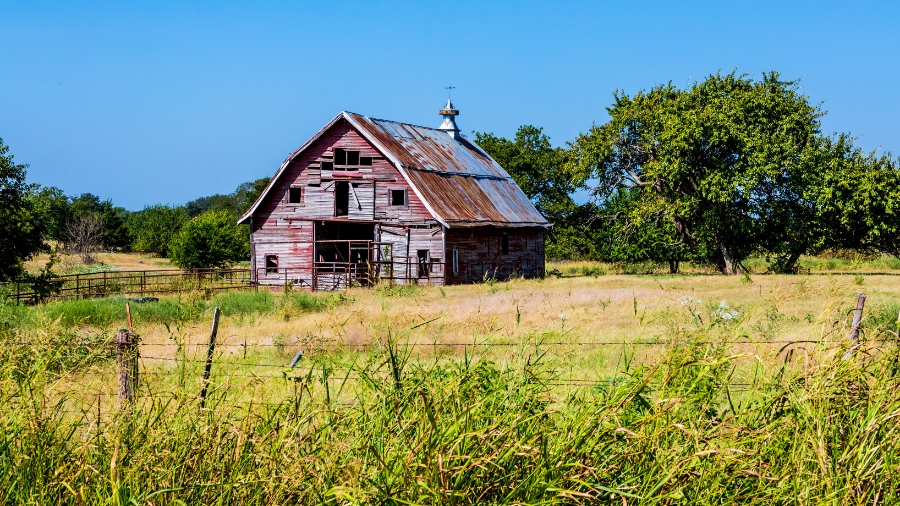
(450, 90)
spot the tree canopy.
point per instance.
(21, 226)
(726, 168)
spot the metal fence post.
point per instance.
(209, 357)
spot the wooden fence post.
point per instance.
(209, 357)
(854, 327)
(857, 317)
(128, 355)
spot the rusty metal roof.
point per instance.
(460, 184)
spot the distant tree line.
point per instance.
(35, 219)
(722, 170)
(725, 169)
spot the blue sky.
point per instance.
(163, 102)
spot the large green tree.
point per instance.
(21, 228)
(719, 161)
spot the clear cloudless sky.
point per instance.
(164, 102)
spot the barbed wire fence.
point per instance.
(133, 369)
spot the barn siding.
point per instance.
(480, 254)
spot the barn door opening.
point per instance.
(343, 254)
(341, 198)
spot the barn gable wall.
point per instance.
(287, 229)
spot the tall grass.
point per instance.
(385, 428)
(105, 312)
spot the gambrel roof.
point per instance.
(460, 184)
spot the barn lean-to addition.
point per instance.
(367, 200)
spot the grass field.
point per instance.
(589, 388)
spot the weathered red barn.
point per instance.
(365, 200)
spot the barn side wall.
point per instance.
(479, 253)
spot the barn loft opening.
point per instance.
(295, 195)
(398, 197)
(341, 198)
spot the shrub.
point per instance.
(213, 239)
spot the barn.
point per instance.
(368, 200)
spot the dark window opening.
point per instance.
(340, 156)
(271, 264)
(341, 198)
(327, 165)
(315, 185)
(423, 262)
(352, 157)
(504, 244)
(398, 197)
(295, 195)
(365, 160)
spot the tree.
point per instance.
(115, 234)
(540, 171)
(711, 161)
(213, 239)
(237, 202)
(536, 166)
(21, 229)
(84, 235)
(52, 205)
(155, 227)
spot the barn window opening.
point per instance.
(365, 160)
(341, 198)
(352, 157)
(271, 264)
(422, 254)
(327, 165)
(455, 261)
(295, 195)
(504, 244)
(398, 197)
(340, 156)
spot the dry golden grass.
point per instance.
(576, 318)
(122, 261)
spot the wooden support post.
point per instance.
(854, 327)
(128, 315)
(128, 355)
(209, 357)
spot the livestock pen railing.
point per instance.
(139, 283)
(342, 275)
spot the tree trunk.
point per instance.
(790, 267)
(726, 263)
(673, 266)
